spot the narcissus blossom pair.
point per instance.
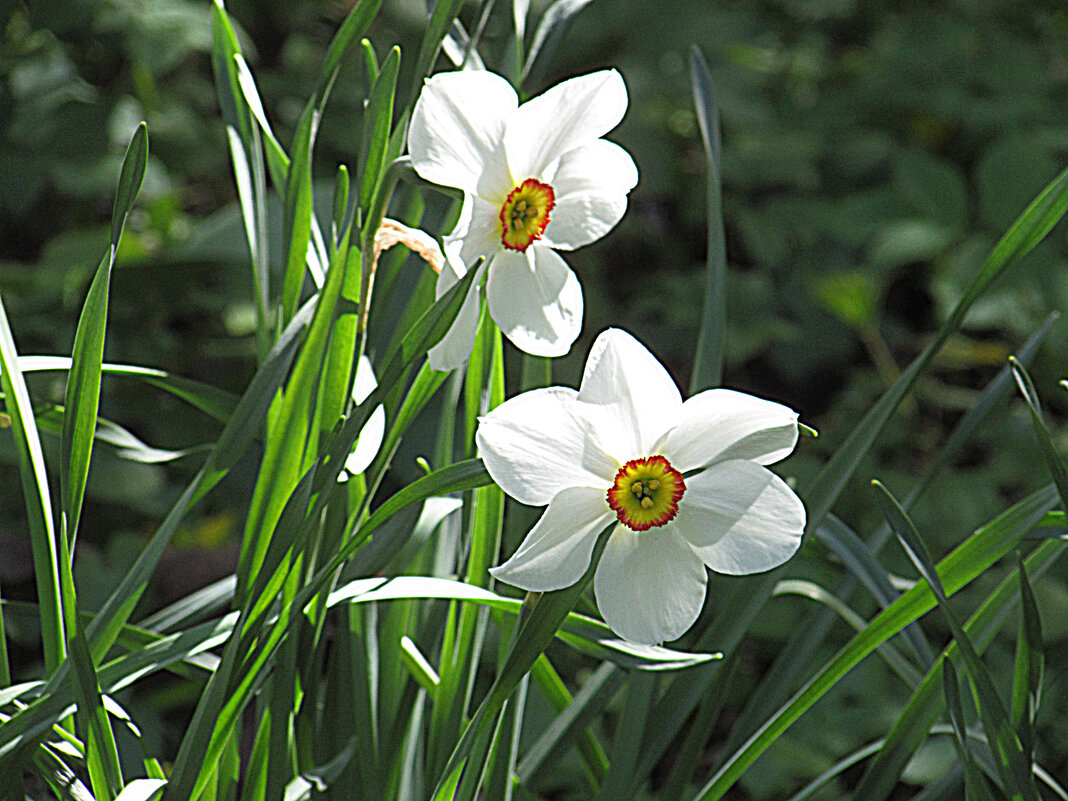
(536, 178)
(683, 485)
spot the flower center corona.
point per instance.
(646, 493)
(525, 213)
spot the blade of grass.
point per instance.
(1028, 666)
(972, 557)
(923, 708)
(1013, 765)
(215, 402)
(975, 786)
(708, 360)
(440, 21)
(809, 589)
(1053, 460)
(82, 400)
(869, 571)
(377, 123)
(36, 494)
(533, 636)
(777, 684)
(572, 721)
(550, 29)
(101, 752)
(638, 700)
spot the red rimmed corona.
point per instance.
(525, 214)
(646, 493)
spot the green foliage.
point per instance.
(852, 208)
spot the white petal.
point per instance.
(590, 185)
(374, 430)
(570, 114)
(368, 443)
(721, 424)
(625, 378)
(364, 383)
(455, 347)
(650, 585)
(457, 131)
(536, 300)
(598, 166)
(557, 550)
(477, 232)
(740, 517)
(578, 220)
(539, 443)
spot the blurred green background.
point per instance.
(873, 153)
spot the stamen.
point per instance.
(646, 493)
(525, 213)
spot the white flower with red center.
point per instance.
(683, 482)
(536, 178)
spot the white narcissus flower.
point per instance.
(536, 178)
(684, 483)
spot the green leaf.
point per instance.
(975, 784)
(441, 18)
(809, 589)
(83, 381)
(550, 29)
(215, 402)
(1053, 460)
(37, 497)
(923, 709)
(377, 121)
(708, 360)
(572, 722)
(533, 636)
(1028, 666)
(355, 26)
(1013, 765)
(419, 666)
(131, 175)
(638, 700)
(967, 561)
(1028, 230)
(291, 441)
(298, 213)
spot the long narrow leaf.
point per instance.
(37, 497)
(972, 557)
(708, 360)
(83, 381)
(1013, 765)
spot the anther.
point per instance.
(647, 502)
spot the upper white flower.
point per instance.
(535, 177)
(684, 482)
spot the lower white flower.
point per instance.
(684, 482)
